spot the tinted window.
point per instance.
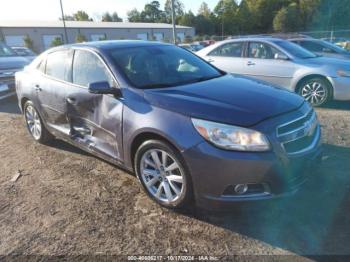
(58, 64)
(312, 46)
(161, 66)
(229, 50)
(88, 68)
(262, 51)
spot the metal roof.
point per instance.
(86, 24)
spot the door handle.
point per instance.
(71, 100)
(211, 60)
(37, 87)
(250, 63)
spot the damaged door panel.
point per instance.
(95, 119)
(51, 89)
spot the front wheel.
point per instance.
(316, 91)
(163, 174)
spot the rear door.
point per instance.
(261, 63)
(95, 120)
(51, 89)
(228, 57)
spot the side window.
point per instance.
(262, 51)
(88, 68)
(58, 64)
(229, 50)
(313, 47)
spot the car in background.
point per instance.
(10, 63)
(25, 52)
(280, 62)
(191, 132)
(339, 41)
(192, 47)
(322, 47)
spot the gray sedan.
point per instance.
(317, 79)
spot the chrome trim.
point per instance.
(311, 146)
(307, 128)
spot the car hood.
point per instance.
(12, 62)
(229, 99)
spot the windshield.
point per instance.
(23, 51)
(335, 47)
(161, 66)
(295, 50)
(5, 50)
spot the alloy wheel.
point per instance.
(314, 92)
(33, 122)
(162, 175)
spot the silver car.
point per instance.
(317, 79)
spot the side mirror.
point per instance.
(280, 56)
(103, 88)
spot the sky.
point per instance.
(50, 9)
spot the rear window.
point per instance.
(58, 64)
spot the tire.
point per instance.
(317, 91)
(35, 124)
(168, 181)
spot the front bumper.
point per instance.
(7, 85)
(214, 171)
(341, 88)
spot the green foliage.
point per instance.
(28, 42)
(107, 17)
(57, 41)
(81, 16)
(80, 38)
(179, 10)
(285, 19)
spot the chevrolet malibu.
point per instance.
(191, 133)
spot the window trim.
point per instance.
(221, 46)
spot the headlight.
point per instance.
(231, 137)
(344, 73)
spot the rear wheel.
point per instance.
(34, 124)
(163, 175)
(316, 91)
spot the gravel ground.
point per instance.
(70, 203)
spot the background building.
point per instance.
(42, 33)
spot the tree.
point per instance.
(80, 38)
(106, 17)
(188, 19)
(28, 42)
(151, 12)
(204, 10)
(116, 18)
(57, 41)
(226, 14)
(285, 20)
(179, 10)
(134, 15)
(81, 16)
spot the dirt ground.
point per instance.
(70, 203)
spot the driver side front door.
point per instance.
(95, 119)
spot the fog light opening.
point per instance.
(241, 189)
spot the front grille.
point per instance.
(299, 134)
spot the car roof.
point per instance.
(109, 44)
